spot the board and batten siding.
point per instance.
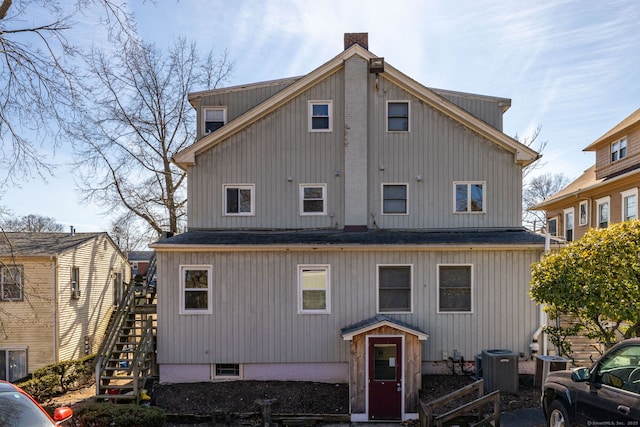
(29, 323)
(88, 315)
(255, 305)
(277, 154)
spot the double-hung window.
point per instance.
(552, 226)
(394, 199)
(568, 224)
(313, 199)
(394, 288)
(629, 204)
(314, 296)
(320, 119)
(13, 364)
(454, 288)
(583, 213)
(619, 150)
(468, 197)
(195, 285)
(238, 199)
(11, 283)
(602, 208)
(398, 116)
(214, 118)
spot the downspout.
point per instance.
(54, 278)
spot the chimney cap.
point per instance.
(356, 38)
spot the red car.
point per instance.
(18, 409)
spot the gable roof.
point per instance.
(523, 154)
(617, 131)
(377, 321)
(24, 244)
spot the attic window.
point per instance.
(214, 119)
(619, 150)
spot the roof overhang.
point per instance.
(378, 321)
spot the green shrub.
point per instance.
(113, 415)
(41, 387)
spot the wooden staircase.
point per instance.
(126, 358)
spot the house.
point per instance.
(57, 292)
(139, 262)
(605, 193)
(350, 225)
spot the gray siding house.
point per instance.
(350, 225)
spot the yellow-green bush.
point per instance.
(112, 415)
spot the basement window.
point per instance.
(227, 371)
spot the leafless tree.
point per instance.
(129, 234)
(536, 190)
(38, 76)
(32, 223)
(533, 141)
(135, 118)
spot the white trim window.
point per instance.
(552, 226)
(618, 150)
(583, 213)
(213, 119)
(195, 289)
(629, 204)
(320, 116)
(314, 290)
(13, 363)
(455, 288)
(11, 283)
(395, 199)
(238, 199)
(313, 199)
(568, 224)
(395, 288)
(398, 114)
(226, 371)
(468, 196)
(603, 211)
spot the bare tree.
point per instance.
(535, 191)
(32, 223)
(38, 76)
(533, 141)
(129, 234)
(135, 118)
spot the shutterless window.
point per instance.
(394, 198)
(196, 289)
(238, 199)
(603, 212)
(313, 289)
(394, 288)
(13, 364)
(583, 212)
(568, 225)
(619, 150)
(468, 197)
(398, 116)
(313, 199)
(552, 226)
(454, 288)
(11, 283)
(629, 204)
(214, 119)
(320, 116)
(227, 370)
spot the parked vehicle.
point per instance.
(608, 393)
(18, 409)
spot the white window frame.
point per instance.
(204, 267)
(564, 224)
(604, 201)
(204, 117)
(227, 377)
(411, 290)
(327, 288)
(382, 199)
(555, 220)
(471, 278)
(624, 195)
(3, 272)
(469, 198)
(398, 101)
(226, 187)
(24, 350)
(324, 199)
(329, 105)
(619, 149)
(583, 220)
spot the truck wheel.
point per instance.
(557, 415)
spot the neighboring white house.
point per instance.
(350, 225)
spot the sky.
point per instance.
(571, 67)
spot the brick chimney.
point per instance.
(356, 38)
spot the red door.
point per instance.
(385, 378)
